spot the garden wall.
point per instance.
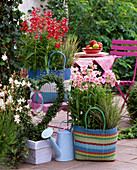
(27, 4)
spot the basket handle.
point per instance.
(60, 53)
(91, 108)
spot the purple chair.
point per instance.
(119, 49)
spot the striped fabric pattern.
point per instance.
(95, 145)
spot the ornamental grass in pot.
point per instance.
(94, 114)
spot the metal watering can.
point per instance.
(64, 148)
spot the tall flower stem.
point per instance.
(35, 55)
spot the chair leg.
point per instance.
(124, 97)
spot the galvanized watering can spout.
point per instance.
(47, 134)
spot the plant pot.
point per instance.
(66, 73)
(39, 152)
(96, 145)
(49, 93)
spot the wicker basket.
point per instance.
(95, 145)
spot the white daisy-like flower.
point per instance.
(28, 84)
(4, 57)
(9, 100)
(2, 94)
(19, 109)
(17, 118)
(10, 80)
(2, 104)
(27, 106)
(21, 100)
(17, 82)
(23, 83)
(0, 85)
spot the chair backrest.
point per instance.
(125, 48)
(120, 49)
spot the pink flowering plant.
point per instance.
(89, 87)
(41, 35)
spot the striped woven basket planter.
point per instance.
(96, 145)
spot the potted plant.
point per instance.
(94, 114)
(41, 36)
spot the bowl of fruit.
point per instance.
(93, 47)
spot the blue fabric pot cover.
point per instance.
(66, 73)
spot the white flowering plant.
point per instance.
(15, 111)
(14, 98)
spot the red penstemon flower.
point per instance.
(54, 29)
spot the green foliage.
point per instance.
(102, 20)
(132, 103)
(111, 110)
(128, 133)
(69, 48)
(33, 131)
(9, 34)
(7, 134)
(59, 7)
(18, 150)
(80, 101)
(34, 52)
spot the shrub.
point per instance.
(132, 103)
(9, 34)
(7, 134)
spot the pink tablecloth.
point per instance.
(106, 62)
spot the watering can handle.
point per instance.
(91, 108)
(60, 53)
(61, 124)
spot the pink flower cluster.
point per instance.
(39, 24)
(89, 76)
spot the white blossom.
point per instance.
(2, 94)
(10, 80)
(21, 100)
(2, 104)
(23, 83)
(9, 100)
(17, 82)
(27, 106)
(4, 57)
(29, 84)
(17, 118)
(19, 109)
(0, 85)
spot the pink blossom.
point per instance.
(94, 66)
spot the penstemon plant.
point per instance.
(41, 35)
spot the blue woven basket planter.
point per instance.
(65, 72)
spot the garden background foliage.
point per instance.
(10, 18)
(102, 20)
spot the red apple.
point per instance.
(87, 47)
(92, 42)
(100, 44)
